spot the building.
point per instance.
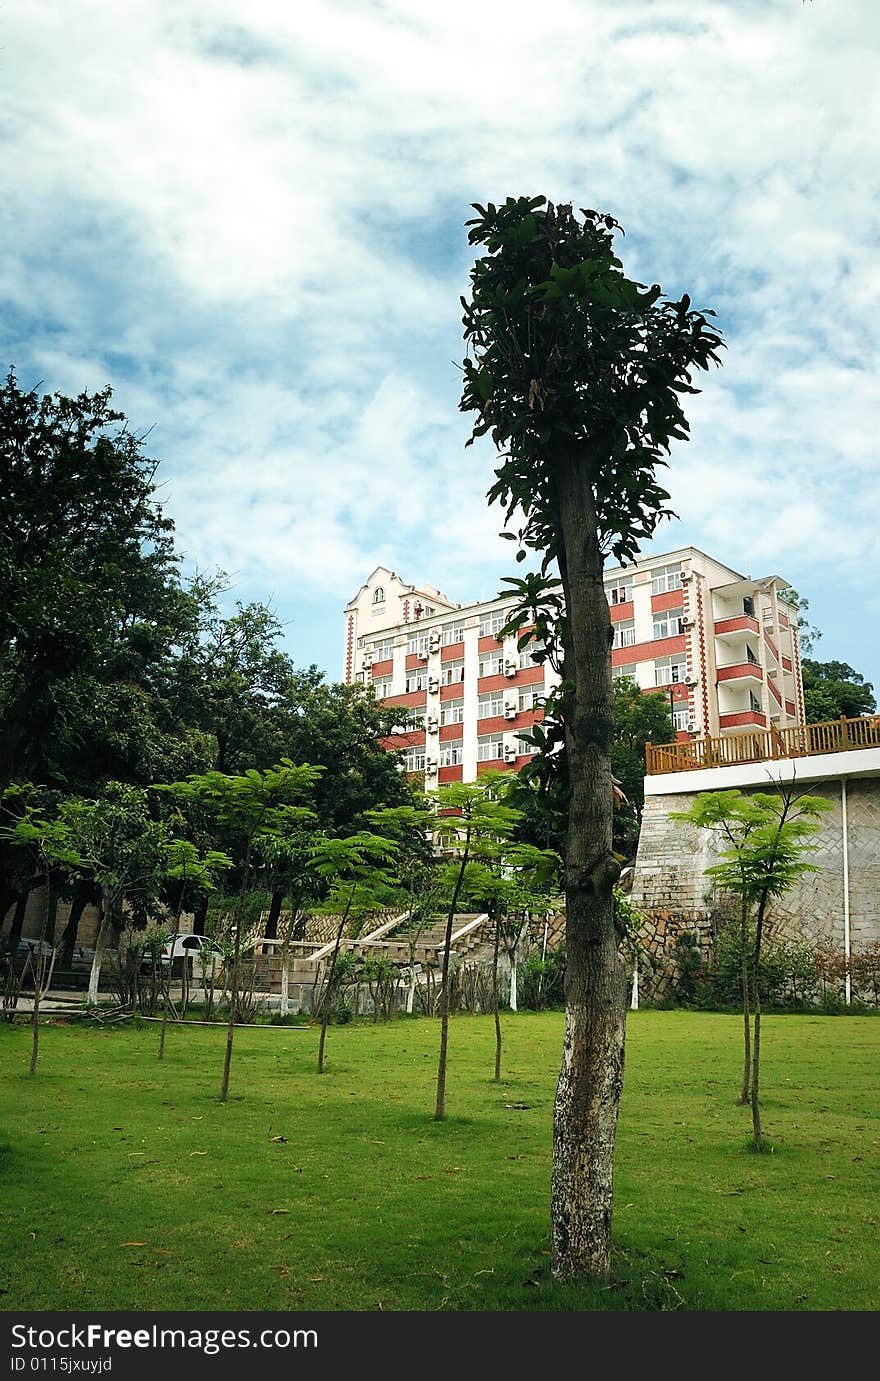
(724, 648)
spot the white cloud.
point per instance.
(249, 219)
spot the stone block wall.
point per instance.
(671, 889)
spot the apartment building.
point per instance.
(722, 646)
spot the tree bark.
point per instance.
(17, 925)
(591, 1077)
(200, 915)
(271, 931)
(100, 944)
(83, 893)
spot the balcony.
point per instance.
(799, 741)
(739, 623)
(744, 670)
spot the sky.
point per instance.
(248, 219)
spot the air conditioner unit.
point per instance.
(688, 623)
(434, 644)
(691, 682)
(433, 684)
(686, 576)
(510, 669)
(692, 726)
(432, 724)
(430, 766)
(367, 659)
(509, 753)
(510, 711)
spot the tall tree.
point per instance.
(87, 566)
(577, 372)
(832, 689)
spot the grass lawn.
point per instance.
(127, 1185)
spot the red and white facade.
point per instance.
(724, 648)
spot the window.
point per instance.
(452, 712)
(382, 650)
(453, 633)
(624, 673)
(530, 697)
(752, 656)
(749, 606)
(681, 718)
(620, 594)
(417, 642)
(382, 686)
(492, 624)
(450, 672)
(665, 578)
(493, 665)
(489, 747)
(428, 610)
(624, 634)
(414, 760)
(417, 679)
(670, 671)
(379, 594)
(755, 703)
(524, 748)
(532, 655)
(451, 755)
(667, 624)
(490, 706)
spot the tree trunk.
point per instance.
(271, 931)
(83, 893)
(440, 1107)
(200, 915)
(100, 944)
(328, 991)
(40, 971)
(285, 973)
(17, 925)
(744, 975)
(591, 1077)
(757, 1132)
(233, 996)
(495, 1000)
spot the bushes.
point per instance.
(793, 975)
(541, 982)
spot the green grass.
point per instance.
(127, 1185)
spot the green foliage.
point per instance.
(541, 982)
(832, 689)
(639, 718)
(577, 373)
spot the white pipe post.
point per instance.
(846, 934)
(634, 1003)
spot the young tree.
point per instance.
(189, 871)
(577, 372)
(29, 825)
(767, 839)
(470, 815)
(124, 850)
(355, 870)
(250, 806)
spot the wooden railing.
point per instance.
(762, 745)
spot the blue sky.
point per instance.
(248, 219)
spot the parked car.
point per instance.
(179, 946)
